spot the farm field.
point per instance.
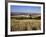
(25, 24)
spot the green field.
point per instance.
(25, 24)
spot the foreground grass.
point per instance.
(25, 24)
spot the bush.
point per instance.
(37, 17)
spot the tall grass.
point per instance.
(25, 24)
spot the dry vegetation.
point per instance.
(25, 24)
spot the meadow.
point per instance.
(25, 23)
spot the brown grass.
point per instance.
(25, 24)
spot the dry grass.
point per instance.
(25, 24)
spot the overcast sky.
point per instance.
(25, 9)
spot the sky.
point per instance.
(25, 9)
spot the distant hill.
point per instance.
(19, 13)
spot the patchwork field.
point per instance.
(25, 24)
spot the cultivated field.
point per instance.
(25, 24)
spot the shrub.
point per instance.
(37, 17)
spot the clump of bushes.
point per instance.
(22, 17)
(39, 17)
